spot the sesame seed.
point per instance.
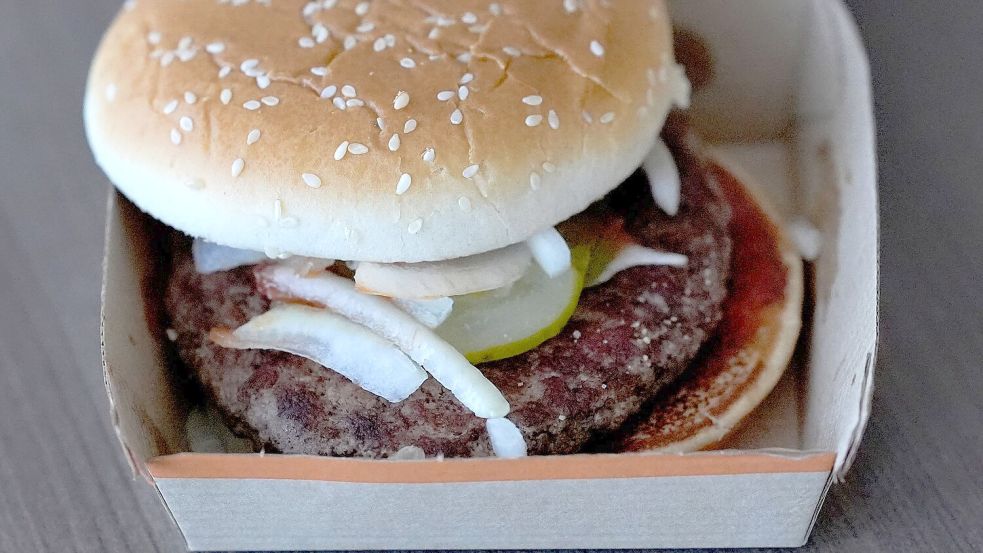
(340, 152)
(548, 167)
(514, 52)
(253, 137)
(339, 103)
(320, 33)
(248, 65)
(390, 40)
(312, 180)
(305, 42)
(349, 91)
(354, 103)
(553, 119)
(464, 57)
(405, 180)
(463, 92)
(224, 71)
(445, 95)
(357, 149)
(434, 33)
(263, 81)
(379, 44)
(350, 42)
(470, 171)
(570, 6)
(111, 91)
(464, 203)
(415, 226)
(380, 123)
(225, 96)
(366, 27)
(167, 59)
(394, 143)
(534, 120)
(362, 8)
(533, 100)
(469, 18)
(607, 117)
(175, 136)
(457, 117)
(187, 124)
(429, 155)
(169, 107)
(190, 97)
(215, 48)
(252, 105)
(410, 126)
(407, 63)
(402, 100)
(270, 100)
(466, 78)
(237, 166)
(596, 48)
(328, 91)
(535, 180)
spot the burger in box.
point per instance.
(443, 228)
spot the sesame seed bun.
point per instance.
(377, 131)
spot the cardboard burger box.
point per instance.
(789, 103)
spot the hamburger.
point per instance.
(457, 228)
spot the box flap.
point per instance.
(147, 412)
(800, 75)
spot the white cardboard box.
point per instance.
(790, 103)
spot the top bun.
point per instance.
(470, 125)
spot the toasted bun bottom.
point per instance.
(754, 342)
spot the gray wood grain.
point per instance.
(916, 486)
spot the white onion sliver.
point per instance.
(663, 176)
(808, 240)
(429, 312)
(550, 251)
(506, 439)
(453, 277)
(680, 89)
(409, 453)
(638, 256)
(421, 344)
(212, 258)
(334, 342)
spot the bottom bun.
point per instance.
(754, 342)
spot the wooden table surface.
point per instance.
(917, 484)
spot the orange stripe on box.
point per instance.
(573, 467)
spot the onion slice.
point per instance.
(506, 439)
(421, 344)
(663, 176)
(550, 251)
(212, 258)
(332, 341)
(432, 313)
(453, 277)
(634, 255)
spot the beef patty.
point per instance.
(628, 338)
